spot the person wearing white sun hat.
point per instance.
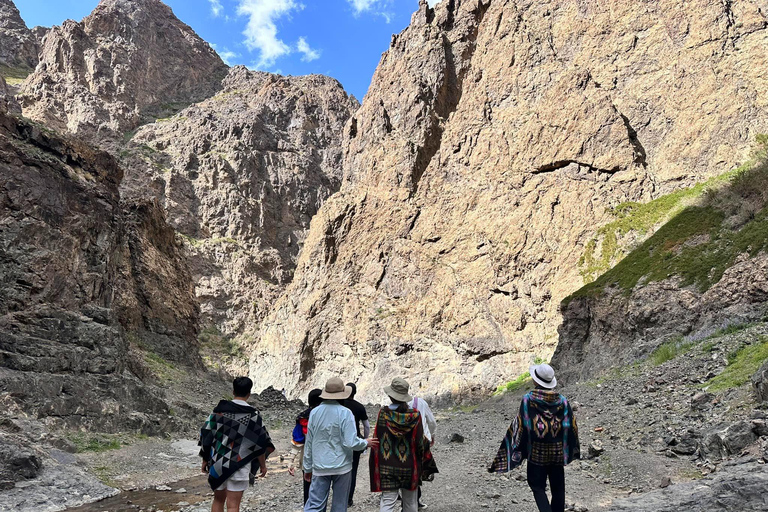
(331, 439)
(544, 432)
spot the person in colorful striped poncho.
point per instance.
(545, 433)
(403, 458)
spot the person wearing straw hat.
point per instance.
(331, 439)
(403, 458)
(544, 432)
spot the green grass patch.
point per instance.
(93, 443)
(634, 221)
(700, 242)
(742, 365)
(522, 382)
(640, 219)
(670, 350)
(14, 76)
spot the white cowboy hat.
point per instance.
(543, 375)
(335, 390)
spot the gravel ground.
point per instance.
(642, 416)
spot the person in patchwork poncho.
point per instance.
(234, 445)
(544, 432)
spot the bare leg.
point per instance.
(219, 497)
(233, 500)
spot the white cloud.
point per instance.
(261, 31)
(378, 7)
(308, 53)
(227, 56)
(216, 8)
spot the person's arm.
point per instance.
(349, 437)
(263, 464)
(205, 442)
(307, 459)
(366, 428)
(431, 421)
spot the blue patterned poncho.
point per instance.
(544, 432)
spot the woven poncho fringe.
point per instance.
(553, 439)
(403, 459)
(231, 438)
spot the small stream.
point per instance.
(196, 490)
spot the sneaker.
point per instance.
(422, 504)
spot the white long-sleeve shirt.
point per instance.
(331, 439)
(427, 418)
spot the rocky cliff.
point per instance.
(86, 288)
(129, 61)
(702, 271)
(18, 45)
(240, 175)
(493, 140)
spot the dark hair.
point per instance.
(242, 386)
(354, 390)
(314, 397)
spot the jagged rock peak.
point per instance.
(241, 174)
(123, 64)
(18, 46)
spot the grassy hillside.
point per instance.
(703, 229)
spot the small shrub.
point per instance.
(670, 350)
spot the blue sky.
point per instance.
(340, 38)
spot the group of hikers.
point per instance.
(332, 433)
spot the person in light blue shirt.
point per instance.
(331, 439)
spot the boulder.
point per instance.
(723, 441)
(760, 383)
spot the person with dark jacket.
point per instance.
(361, 420)
(299, 436)
(544, 432)
(234, 445)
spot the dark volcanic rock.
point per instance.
(64, 252)
(126, 62)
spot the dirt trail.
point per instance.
(650, 421)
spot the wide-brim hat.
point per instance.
(398, 390)
(543, 375)
(335, 390)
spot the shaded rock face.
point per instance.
(65, 252)
(240, 175)
(760, 383)
(18, 45)
(740, 487)
(127, 61)
(7, 101)
(616, 327)
(493, 138)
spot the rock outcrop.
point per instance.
(127, 62)
(738, 487)
(18, 45)
(760, 383)
(8, 102)
(493, 139)
(240, 175)
(69, 257)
